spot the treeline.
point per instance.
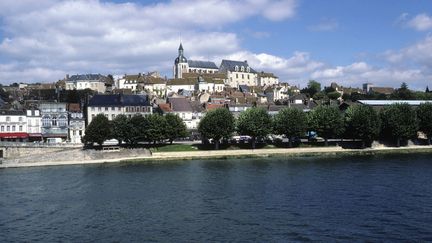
(131, 131)
(396, 123)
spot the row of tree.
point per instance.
(131, 131)
(397, 122)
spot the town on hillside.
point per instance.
(60, 112)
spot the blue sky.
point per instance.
(385, 42)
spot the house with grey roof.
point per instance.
(189, 111)
(96, 82)
(239, 73)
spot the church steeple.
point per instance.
(181, 58)
(180, 64)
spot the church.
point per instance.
(182, 65)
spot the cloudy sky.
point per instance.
(384, 42)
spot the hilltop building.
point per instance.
(182, 65)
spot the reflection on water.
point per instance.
(272, 199)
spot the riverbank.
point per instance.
(240, 153)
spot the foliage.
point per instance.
(254, 122)
(326, 121)
(362, 122)
(403, 93)
(424, 115)
(156, 129)
(138, 133)
(312, 88)
(333, 95)
(217, 124)
(98, 130)
(175, 127)
(121, 128)
(399, 122)
(290, 122)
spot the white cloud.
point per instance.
(420, 22)
(93, 36)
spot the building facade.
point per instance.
(114, 105)
(94, 82)
(54, 118)
(34, 125)
(76, 123)
(238, 73)
(13, 126)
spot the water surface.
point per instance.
(378, 198)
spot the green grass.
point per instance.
(174, 148)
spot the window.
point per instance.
(73, 132)
(242, 76)
(236, 75)
(106, 108)
(242, 69)
(13, 128)
(20, 119)
(8, 119)
(92, 109)
(99, 109)
(8, 128)
(248, 76)
(248, 69)
(113, 108)
(54, 121)
(46, 121)
(236, 68)
(37, 122)
(29, 123)
(20, 128)
(62, 121)
(2, 128)
(118, 108)
(80, 132)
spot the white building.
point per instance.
(94, 82)
(54, 121)
(13, 125)
(34, 125)
(129, 82)
(114, 105)
(190, 112)
(267, 79)
(76, 123)
(238, 73)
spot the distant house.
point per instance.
(96, 82)
(76, 123)
(238, 73)
(13, 126)
(267, 79)
(34, 124)
(371, 88)
(189, 111)
(129, 82)
(54, 121)
(115, 104)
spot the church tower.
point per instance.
(180, 64)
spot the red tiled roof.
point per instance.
(165, 107)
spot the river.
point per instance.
(376, 198)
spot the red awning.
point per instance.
(14, 135)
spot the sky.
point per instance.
(350, 42)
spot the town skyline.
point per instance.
(385, 44)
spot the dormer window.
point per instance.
(248, 69)
(242, 69)
(236, 68)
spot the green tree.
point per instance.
(326, 121)
(424, 115)
(138, 132)
(254, 122)
(290, 122)
(98, 130)
(175, 127)
(156, 129)
(121, 128)
(399, 122)
(333, 95)
(312, 88)
(403, 93)
(217, 124)
(362, 122)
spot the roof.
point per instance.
(202, 64)
(180, 104)
(270, 75)
(165, 107)
(244, 88)
(182, 81)
(74, 107)
(391, 102)
(229, 65)
(119, 100)
(382, 90)
(12, 113)
(85, 77)
(214, 106)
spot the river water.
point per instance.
(377, 198)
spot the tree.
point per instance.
(290, 122)
(399, 122)
(254, 122)
(312, 88)
(217, 124)
(138, 132)
(362, 122)
(424, 115)
(121, 128)
(333, 95)
(98, 130)
(427, 89)
(403, 93)
(156, 129)
(326, 121)
(175, 127)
